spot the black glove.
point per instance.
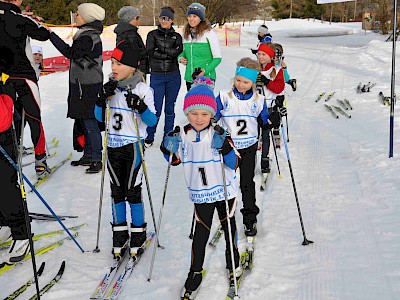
(254, 51)
(274, 120)
(293, 84)
(282, 111)
(7, 89)
(261, 79)
(279, 101)
(107, 91)
(196, 73)
(135, 102)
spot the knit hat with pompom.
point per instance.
(200, 96)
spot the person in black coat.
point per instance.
(16, 29)
(164, 45)
(127, 29)
(85, 79)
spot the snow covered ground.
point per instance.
(348, 188)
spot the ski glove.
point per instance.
(274, 120)
(220, 140)
(135, 102)
(171, 142)
(282, 111)
(107, 91)
(261, 79)
(196, 73)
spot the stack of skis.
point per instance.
(365, 88)
(333, 109)
(4, 267)
(386, 100)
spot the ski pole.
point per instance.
(143, 165)
(192, 229)
(25, 208)
(176, 131)
(41, 198)
(103, 171)
(276, 156)
(220, 130)
(21, 138)
(305, 241)
(287, 128)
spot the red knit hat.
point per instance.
(266, 49)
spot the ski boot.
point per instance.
(250, 229)
(5, 234)
(42, 170)
(148, 143)
(120, 239)
(265, 170)
(239, 273)
(192, 285)
(277, 138)
(19, 249)
(138, 238)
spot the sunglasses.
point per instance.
(164, 18)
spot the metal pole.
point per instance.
(291, 9)
(393, 80)
(355, 9)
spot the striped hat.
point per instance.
(200, 96)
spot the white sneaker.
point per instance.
(5, 234)
(19, 249)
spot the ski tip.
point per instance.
(62, 268)
(40, 271)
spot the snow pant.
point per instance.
(247, 186)
(125, 168)
(92, 135)
(11, 206)
(204, 215)
(165, 86)
(265, 133)
(28, 99)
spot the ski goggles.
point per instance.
(163, 18)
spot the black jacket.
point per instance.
(126, 31)
(86, 69)
(15, 30)
(164, 46)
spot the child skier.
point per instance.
(263, 37)
(280, 63)
(241, 110)
(270, 83)
(124, 159)
(200, 142)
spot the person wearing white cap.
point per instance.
(37, 52)
(85, 81)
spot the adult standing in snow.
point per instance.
(15, 33)
(164, 45)
(12, 216)
(201, 49)
(127, 29)
(85, 79)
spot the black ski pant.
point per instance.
(247, 167)
(28, 98)
(204, 215)
(11, 205)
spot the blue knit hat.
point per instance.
(197, 9)
(200, 96)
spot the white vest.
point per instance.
(239, 117)
(203, 173)
(269, 95)
(121, 127)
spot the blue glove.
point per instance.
(171, 142)
(218, 139)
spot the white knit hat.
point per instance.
(91, 12)
(36, 49)
(263, 29)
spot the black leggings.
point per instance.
(204, 215)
